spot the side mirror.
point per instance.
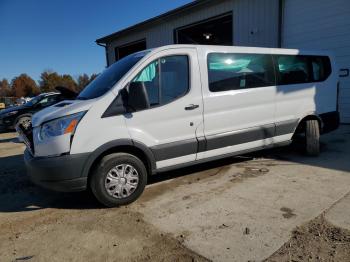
(137, 98)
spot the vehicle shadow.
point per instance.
(19, 194)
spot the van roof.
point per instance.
(242, 49)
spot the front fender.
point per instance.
(115, 144)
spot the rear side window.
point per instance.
(166, 79)
(239, 71)
(301, 69)
(321, 68)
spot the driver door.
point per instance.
(174, 119)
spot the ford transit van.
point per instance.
(175, 106)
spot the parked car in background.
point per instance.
(12, 116)
(6, 102)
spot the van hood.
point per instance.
(64, 108)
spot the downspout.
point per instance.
(280, 22)
(106, 51)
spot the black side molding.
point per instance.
(175, 149)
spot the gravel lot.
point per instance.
(274, 205)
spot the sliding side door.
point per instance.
(239, 101)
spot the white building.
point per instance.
(305, 24)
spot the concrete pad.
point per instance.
(247, 210)
(339, 214)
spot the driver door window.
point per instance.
(166, 79)
(149, 76)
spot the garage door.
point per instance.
(321, 25)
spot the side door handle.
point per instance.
(344, 72)
(191, 107)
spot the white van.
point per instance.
(176, 106)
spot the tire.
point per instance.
(25, 121)
(312, 137)
(113, 181)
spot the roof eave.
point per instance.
(108, 38)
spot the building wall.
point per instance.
(248, 15)
(321, 25)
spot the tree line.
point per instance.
(24, 86)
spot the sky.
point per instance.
(59, 35)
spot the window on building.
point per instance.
(165, 79)
(212, 31)
(239, 71)
(125, 50)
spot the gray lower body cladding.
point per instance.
(193, 146)
(62, 173)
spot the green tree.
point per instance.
(83, 81)
(5, 88)
(24, 86)
(68, 81)
(50, 80)
(92, 77)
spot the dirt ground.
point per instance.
(318, 240)
(274, 205)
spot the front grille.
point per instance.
(27, 136)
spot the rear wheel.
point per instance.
(119, 179)
(312, 137)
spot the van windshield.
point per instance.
(34, 100)
(109, 77)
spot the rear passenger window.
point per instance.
(321, 68)
(301, 69)
(293, 69)
(239, 71)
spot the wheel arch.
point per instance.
(126, 146)
(301, 124)
(22, 115)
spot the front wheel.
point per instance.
(24, 121)
(312, 137)
(118, 179)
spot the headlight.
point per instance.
(61, 126)
(10, 113)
